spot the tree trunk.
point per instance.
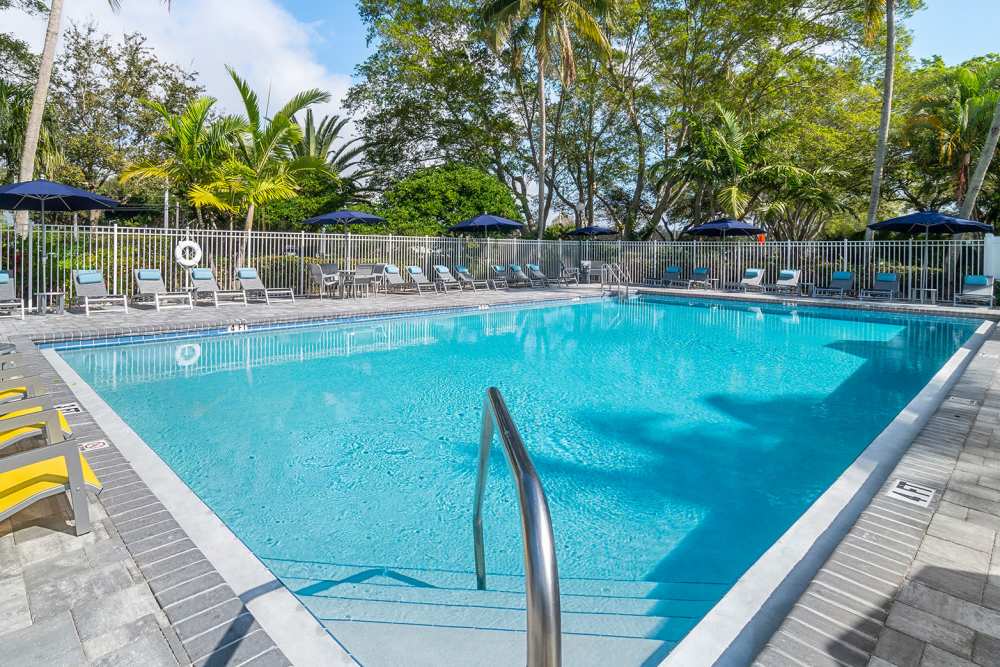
(34, 128)
(883, 128)
(985, 157)
(541, 147)
(248, 227)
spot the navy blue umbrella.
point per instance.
(344, 218)
(930, 222)
(592, 230)
(486, 223)
(726, 227)
(42, 195)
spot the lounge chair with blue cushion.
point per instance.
(255, 290)
(671, 278)
(48, 470)
(751, 280)
(516, 276)
(976, 289)
(467, 280)
(392, 279)
(841, 284)
(92, 293)
(444, 279)
(418, 280)
(787, 283)
(498, 276)
(9, 300)
(149, 282)
(700, 277)
(536, 274)
(204, 286)
(885, 287)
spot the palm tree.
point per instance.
(873, 18)
(261, 166)
(34, 126)
(985, 157)
(194, 144)
(959, 119)
(554, 22)
(320, 141)
(15, 105)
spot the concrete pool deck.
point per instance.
(50, 580)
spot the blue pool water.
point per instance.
(676, 440)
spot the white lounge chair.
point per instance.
(149, 282)
(9, 301)
(787, 283)
(251, 284)
(92, 292)
(751, 280)
(204, 286)
(976, 290)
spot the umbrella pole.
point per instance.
(31, 260)
(923, 279)
(347, 251)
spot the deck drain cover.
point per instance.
(93, 445)
(908, 492)
(69, 408)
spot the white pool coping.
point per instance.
(295, 631)
(739, 625)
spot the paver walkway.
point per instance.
(909, 586)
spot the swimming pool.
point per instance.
(676, 441)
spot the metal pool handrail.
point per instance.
(541, 576)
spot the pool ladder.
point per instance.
(615, 276)
(541, 575)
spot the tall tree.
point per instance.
(873, 19)
(551, 24)
(985, 158)
(34, 126)
(323, 141)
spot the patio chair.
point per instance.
(419, 280)
(362, 281)
(751, 280)
(568, 274)
(517, 277)
(466, 279)
(150, 285)
(393, 280)
(841, 284)
(204, 286)
(48, 470)
(92, 292)
(671, 277)
(592, 268)
(885, 288)
(700, 277)
(976, 289)
(444, 278)
(251, 284)
(325, 276)
(787, 283)
(536, 274)
(498, 276)
(9, 301)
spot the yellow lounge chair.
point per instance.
(31, 417)
(16, 388)
(30, 476)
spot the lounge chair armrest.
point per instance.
(43, 403)
(47, 419)
(32, 385)
(66, 449)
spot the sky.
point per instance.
(284, 46)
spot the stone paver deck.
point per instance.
(909, 586)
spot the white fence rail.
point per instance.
(44, 260)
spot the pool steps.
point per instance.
(601, 619)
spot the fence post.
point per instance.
(843, 256)
(302, 262)
(114, 259)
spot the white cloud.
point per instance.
(264, 43)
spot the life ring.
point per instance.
(187, 354)
(188, 253)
